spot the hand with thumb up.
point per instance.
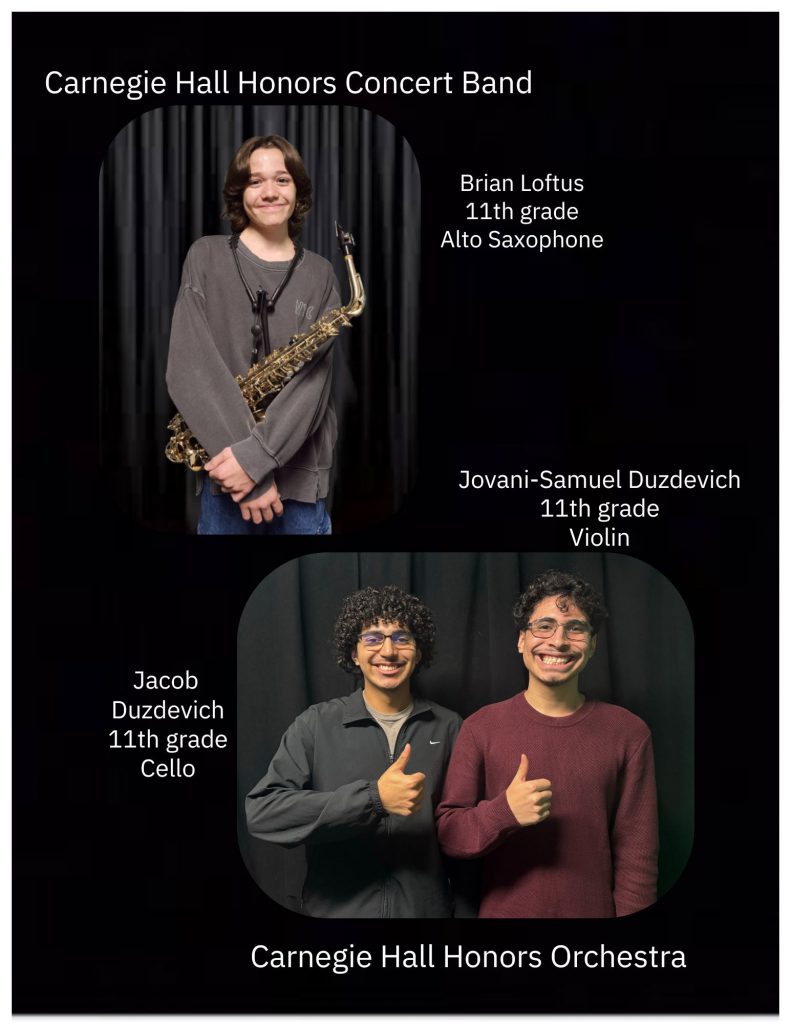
(400, 793)
(529, 799)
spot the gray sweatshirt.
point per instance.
(211, 342)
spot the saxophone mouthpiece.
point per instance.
(345, 240)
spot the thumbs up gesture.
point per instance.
(401, 793)
(529, 799)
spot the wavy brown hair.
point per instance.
(238, 176)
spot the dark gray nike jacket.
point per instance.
(321, 790)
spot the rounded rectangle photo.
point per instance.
(441, 735)
(259, 318)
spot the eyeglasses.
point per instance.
(545, 628)
(374, 640)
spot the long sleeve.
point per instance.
(294, 413)
(290, 419)
(467, 825)
(283, 808)
(199, 382)
(634, 837)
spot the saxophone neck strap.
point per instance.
(261, 303)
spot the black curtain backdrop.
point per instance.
(160, 189)
(286, 662)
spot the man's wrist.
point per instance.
(501, 814)
(254, 459)
(376, 799)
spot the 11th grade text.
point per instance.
(527, 214)
(580, 509)
(149, 739)
(556, 210)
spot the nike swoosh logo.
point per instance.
(433, 743)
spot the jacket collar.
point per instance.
(356, 711)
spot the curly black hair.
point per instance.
(389, 604)
(554, 583)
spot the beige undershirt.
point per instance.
(390, 723)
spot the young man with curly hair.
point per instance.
(555, 790)
(356, 779)
(243, 295)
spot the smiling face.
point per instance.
(556, 660)
(271, 194)
(386, 671)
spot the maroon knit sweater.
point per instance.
(595, 855)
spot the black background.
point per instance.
(658, 352)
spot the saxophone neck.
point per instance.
(356, 303)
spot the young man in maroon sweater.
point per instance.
(554, 790)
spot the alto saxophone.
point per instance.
(265, 379)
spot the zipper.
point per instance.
(401, 742)
(390, 759)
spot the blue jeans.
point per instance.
(220, 514)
